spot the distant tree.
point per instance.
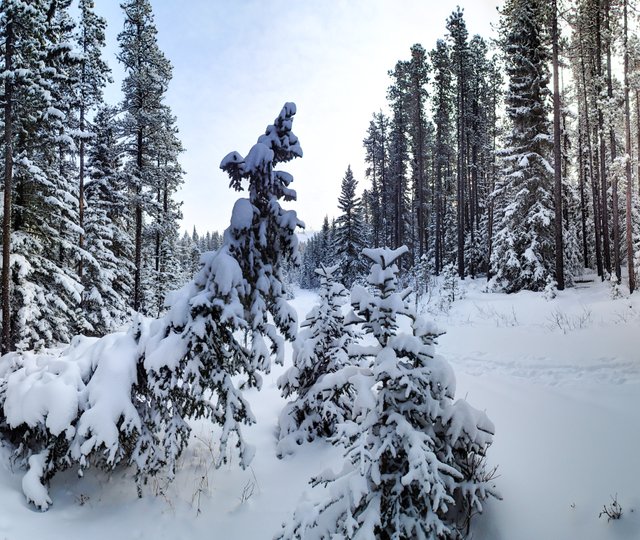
(350, 231)
(147, 75)
(376, 145)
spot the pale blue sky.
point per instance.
(237, 61)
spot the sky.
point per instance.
(236, 62)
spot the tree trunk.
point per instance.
(137, 293)
(7, 345)
(81, 194)
(462, 180)
(557, 154)
(627, 136)
(612, 143)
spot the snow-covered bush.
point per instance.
(126, 398)
(449, 288)
(550, 289)
(414, 461)
(323, 398)
(615, 291)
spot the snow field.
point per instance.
(565, 399)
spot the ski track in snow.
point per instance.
(545, 371)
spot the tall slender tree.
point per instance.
(349, 237)
(148, 73)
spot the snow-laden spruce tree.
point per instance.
(232, 319)
(523, 245)
(126, 398)
(322, 398)
(414, 456)
(350, 233)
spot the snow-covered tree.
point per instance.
(350, 231)
(414, 456)
(228, 321)
(40, 286)
(148, 73)
(523, 246)
(109, 248)
(90, 75)
(321, 399)
(126, 397)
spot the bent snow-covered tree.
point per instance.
(126, 398)
(414, 456)
(223, 329)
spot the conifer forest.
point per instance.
(452, 353)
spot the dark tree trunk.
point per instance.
(7, 344)
(613, 152)
(627, 137)
(462, 177)
(137, 293)
(582, 174)
(557, 154)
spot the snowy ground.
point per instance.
(560, 378)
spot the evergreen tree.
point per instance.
(522, 255)
(160, 263)
(148, 73)
(350, 234)
(443, 150)
(91, 75)
(376, 146)
(321, 402)
(40, 288)
(126, 397)
(399, 191)
(460, 61)
(108, 245)
(413, 456)
(236, 316)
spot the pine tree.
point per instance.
(237, 317)
(376, 146)
(148, 73)
(91, 75)
(442, 115)
(460, 61)
(350, 233)
(321, 402)
(160, 265)
(108, 245)
(40, 287)
(399, 191)
(522, 256)
(413, 456)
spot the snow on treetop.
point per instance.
(289, 109)
(279, 136)
(384, 256)
(259, 158)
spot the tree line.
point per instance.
(90, 221)
(513, 159)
